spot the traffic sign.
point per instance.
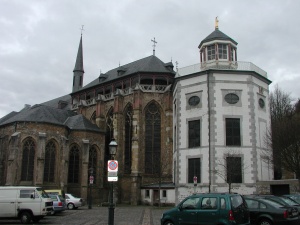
(91, 179)
(112, 165)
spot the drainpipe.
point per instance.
(209, 145)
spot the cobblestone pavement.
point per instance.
(124, 215)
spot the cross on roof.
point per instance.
(82, 28)
(154, 42)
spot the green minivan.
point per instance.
(209, 208)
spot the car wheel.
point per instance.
(265, 222)
(168, 223)
(71, 206)
(25, 217)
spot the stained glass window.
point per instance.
(28, 160)
(49, 168)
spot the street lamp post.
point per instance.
(111, 208)
(90, 186)
(195, 183)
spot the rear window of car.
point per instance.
(236, 201)
(53, 197)
(275, 204)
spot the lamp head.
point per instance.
(113, 147)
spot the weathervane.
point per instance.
(154, 42)
(216, 23)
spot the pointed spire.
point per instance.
(78, 69)
(79, 59)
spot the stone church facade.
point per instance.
(55, 144)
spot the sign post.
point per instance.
(195, 183)
(112, 170)
(91, 179)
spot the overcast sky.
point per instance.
(39, 40)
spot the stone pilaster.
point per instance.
(64, 163)
(135, 177)
(12, 165)
(40, 162)
(84, 168)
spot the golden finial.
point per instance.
(216, 23)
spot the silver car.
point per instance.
(73, 202)
(58, 203)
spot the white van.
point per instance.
(25, 203)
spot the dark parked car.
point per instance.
(59, 203)
(268, 212)
(212, 209)
(280, 199)
(295, 197)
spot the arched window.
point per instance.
(92, 162)
(152, 139)
(73, 176)
(128, 137)
(49, 167)
(28, 160)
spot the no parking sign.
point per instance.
(112, 168)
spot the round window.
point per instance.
(194, 100)
(261, 103)
(231, 98)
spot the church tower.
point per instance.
(78, 70)
(218, 50)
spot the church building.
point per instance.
(197, 129)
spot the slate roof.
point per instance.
(216, 35)
(54, 102)
(79, 122)
(147, 64)
(8, 116)
(46, 114)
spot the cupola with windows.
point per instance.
(218, 50)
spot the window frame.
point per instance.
(233, 132)
(194, 133)
(211, 52)
(234, 171)
(194, 169)
(222, 52)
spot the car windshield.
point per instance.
(42, 193)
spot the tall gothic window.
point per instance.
(49, 167)
(109, 133)
(128, 137)
(152, 139)
(92, 162)
(28, 160)
(73, 176)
